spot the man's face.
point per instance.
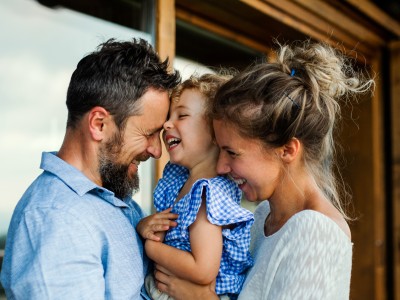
(121, 154)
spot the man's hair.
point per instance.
(115, 77)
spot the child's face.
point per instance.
(187, 134)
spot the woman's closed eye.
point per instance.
(231, 153)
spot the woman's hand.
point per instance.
(180, 289)
(154, 226)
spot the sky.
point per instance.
(39, 50)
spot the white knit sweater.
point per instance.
(308, 258)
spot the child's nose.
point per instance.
(168, 125)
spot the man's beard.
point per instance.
(114, 175)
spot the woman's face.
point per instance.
(256, 170)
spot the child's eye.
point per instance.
(182, 116)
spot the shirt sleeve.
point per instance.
(59, 258)
(313, 259)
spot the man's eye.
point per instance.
(152, 134)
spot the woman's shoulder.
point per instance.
(316, 225)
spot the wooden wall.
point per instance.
(395, 170)
(362, 31)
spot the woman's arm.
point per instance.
(202, 264)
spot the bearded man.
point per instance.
(72, 234)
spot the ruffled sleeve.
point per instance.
(167, 189)
(223, 208)
(223, 203)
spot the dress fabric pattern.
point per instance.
(223, 208)
(308, 258)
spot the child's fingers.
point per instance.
(167, 214)
(152, 236)
(160, 227)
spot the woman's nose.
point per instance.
(222, 165)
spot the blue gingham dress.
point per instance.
(223, 208)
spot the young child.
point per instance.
(212, 233)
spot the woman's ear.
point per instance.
(290, 150)
(98, 119)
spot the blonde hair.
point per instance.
(207, 85)
(296, 96)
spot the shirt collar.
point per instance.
(75, 179)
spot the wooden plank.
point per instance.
(306, 29)
(357, 170)
(320, 24)
(223, 14)
(323, 9)
(395, 110)
(220, 30)
(165, 29)
(378, 173)
(165, 45)
(375, 13)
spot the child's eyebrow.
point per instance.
(181, 106)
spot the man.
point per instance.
(72, 235)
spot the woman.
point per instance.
(274, 124)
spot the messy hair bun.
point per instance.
(296, 96)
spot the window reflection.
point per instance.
(39, 51)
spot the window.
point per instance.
(39, 51)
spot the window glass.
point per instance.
(40, 47)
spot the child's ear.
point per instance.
(290, 150)
(99, 121)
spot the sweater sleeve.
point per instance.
(314, 261)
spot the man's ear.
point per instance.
(99, 120)
(290, 150)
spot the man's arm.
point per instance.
(53, 256)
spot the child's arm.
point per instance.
(202, 264)
(150, 227)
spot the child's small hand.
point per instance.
(149, 226)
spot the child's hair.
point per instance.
(207, 85)
(297, 96)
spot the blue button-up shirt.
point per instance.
(71, 239)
